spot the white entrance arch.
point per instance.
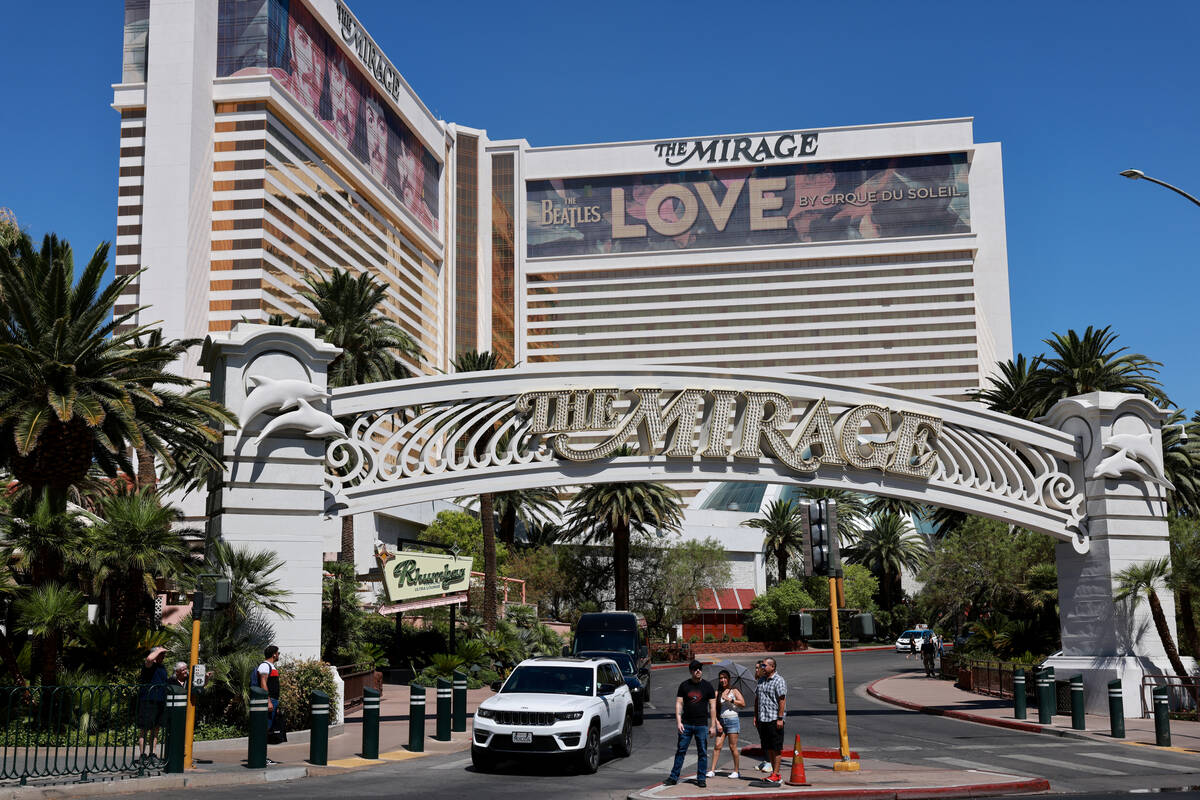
(1089, 474)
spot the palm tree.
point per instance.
(888, 546)
(543, 534)
(1185, 577)
(475, 361)
(134, 543)
(1019, 389)
(347, 315)
(74, 386)
(1181, 463)
(250, 573)
(9, 590)
(47, 612)
(783, 533)
(39, 541)
(617, 510)
(1089, 363)
(1146, 578)
(529, 506)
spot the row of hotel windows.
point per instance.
(759, 336)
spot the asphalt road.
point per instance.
(877, 731)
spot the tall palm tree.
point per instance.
(475, 361)
(1092, 363)
(888, 546)
(616, 510)
(75, 387)
(39, 541)
(47, 612)
(1185, 577)
(251, 574)
(1019, 389)
(1144, 579)
(783, 533)
(1181, 463)
(530, 506)
(347, 315)
(133, 544)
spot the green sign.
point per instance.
(410, 575)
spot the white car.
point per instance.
(904, 643)
(569, 706)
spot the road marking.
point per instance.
(1050, 762)
(1001, 746)
(666, 764)
(895, 747)
(462, 762)
(962, 762)
(1141, 762)
(1157, 747)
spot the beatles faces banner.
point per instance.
(776, 204)
(283, 38)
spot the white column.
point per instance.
(273, 497)
(1116, 434)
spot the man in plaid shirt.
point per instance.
(770, 700)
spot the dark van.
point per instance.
(621, 631)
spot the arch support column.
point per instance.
(1119, 442)
(272, 495)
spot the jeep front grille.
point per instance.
(530, 718)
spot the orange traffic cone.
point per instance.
(797, 778)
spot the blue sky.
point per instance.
(1074, 92)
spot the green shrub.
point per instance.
(768, 619)
(207, 731)
(709, 638)
(298, 678)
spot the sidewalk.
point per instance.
(221, 764)
(942, 698)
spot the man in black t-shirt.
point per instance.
(695, 717)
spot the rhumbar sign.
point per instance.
(407, 576)
(736, 424)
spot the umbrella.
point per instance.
(740, 678)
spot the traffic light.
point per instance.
(800, 626)
(821, 546)
(862, 627)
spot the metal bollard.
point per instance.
(1077, 697)
(460, 702)
(416, 718)
(176, 727)
(1045, 690)
(1116, 709)
(318, 737)
(444, 696)
(256, 743)
(1162, 716)
(832, 691)
(370, 723)
(1019, 698)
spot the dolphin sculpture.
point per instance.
(1134, 454)
(313, 422)
(271, 394)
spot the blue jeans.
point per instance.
(700, 732)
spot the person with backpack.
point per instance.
(266, 677)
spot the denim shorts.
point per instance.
(730, 724)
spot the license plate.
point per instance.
(522, 737)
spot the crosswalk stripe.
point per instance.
(462, 762)
(665, 765)
(896, 747)
(1141, 762)
(1058, 763)
(965, 764)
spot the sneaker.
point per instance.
(711, 774)
(734, 775)
(774, 778)
(271, 763)
(670, 782)
(764, 766)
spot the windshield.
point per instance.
(606, 641)
(550, 680)
(624, 660)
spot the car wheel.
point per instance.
(623, 744)
(482, 760)
(589, 757)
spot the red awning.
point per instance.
(725, 599)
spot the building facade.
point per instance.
(268, 142)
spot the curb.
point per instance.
(828, 753)
(155, 783)
(1026, 786)
(938, 711)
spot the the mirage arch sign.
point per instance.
(550, 425)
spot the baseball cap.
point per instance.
(695, 665)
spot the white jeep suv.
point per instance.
(562, 705)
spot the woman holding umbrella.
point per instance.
(729, 700)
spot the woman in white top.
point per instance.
(730, 700)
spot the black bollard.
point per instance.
(370, 723)
(832, 691)
(318, 737)
(1116, 709)
(1019, 698)
(176, 727)
(444, 697)
(1078, 722)
(416, 718)
(1162, 716)
(256, 743)
(1046, 702)
(460, 702)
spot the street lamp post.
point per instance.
(1137, 174)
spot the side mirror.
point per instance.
(495, 685)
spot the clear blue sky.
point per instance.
(1074, 92)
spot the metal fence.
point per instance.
(81, 731)
(995, 678)
(1182, 694)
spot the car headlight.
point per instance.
(485, 713)
(567, 715)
